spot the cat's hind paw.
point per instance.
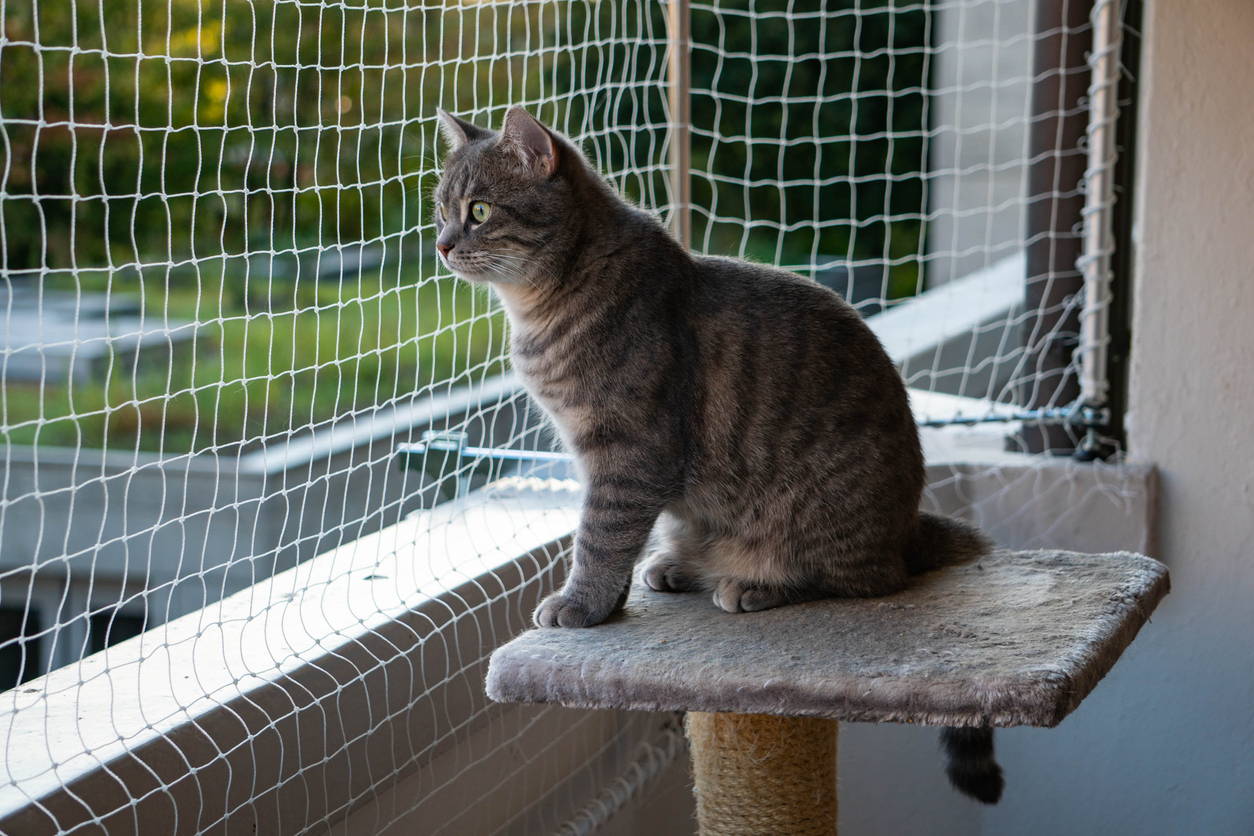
(733, 595)
(665, 574)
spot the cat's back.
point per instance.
(782, 359)
(782, 310)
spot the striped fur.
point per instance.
(748, 409)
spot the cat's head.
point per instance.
(505, 200)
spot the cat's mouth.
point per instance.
(469, 276)
(467, 272)
(482, 265)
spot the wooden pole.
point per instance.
(680, 77)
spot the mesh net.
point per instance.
(888, 149)
(222, 314)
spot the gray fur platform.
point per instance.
(1017, 638)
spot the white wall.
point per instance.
(1166, 744)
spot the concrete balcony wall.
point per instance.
(161, 537)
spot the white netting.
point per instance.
(221, 314)
(890, 148)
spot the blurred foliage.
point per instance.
(166, 148)
(148, 130)
(809, 137)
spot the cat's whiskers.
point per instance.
(504, 264)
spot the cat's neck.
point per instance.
(521, 302)
(563, 265)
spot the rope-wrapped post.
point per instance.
(759, 773)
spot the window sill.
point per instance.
(286, 685)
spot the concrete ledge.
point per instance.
(280, 707)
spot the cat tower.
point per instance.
(1017, 638)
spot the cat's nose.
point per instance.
(443, 249)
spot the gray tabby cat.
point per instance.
(747, 412)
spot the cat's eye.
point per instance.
(439, 210)
(480, 211)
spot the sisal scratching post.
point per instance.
(1016, 638)
(755, 773)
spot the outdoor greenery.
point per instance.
(202, 156)
(256, 375)
(831, 96)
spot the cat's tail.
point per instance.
(939, 541)
(970, 764)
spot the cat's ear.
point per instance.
(457, 132)
(530, 141)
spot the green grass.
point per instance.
(258, 371)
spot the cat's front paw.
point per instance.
(562, 610)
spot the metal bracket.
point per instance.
(448, 441)
(1075, 415)
(1092, 418)
(442, 451)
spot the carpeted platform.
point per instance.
(1018, 638)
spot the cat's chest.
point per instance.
(556, 384)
